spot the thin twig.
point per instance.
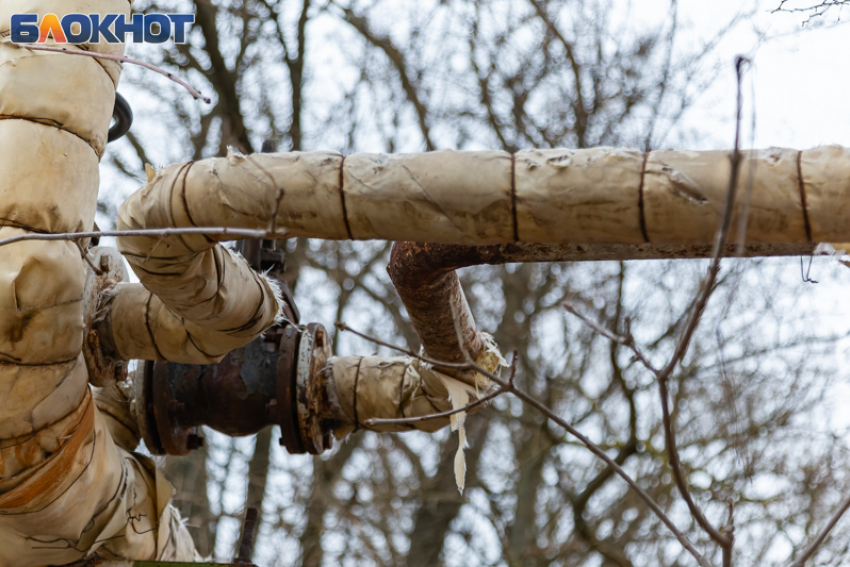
(729, 530)
(196, 94)
(720, 239)
(815, 10)
(627, 341)
(445, 414)
(453, 365)
(725, 541)
(595, 449)
(87, 260)
(481, 401)
(162, 232)
(810, 551)
(669, 434)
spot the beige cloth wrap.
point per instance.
(65, 488)
(198, 300)
(375, 387)
(559, 196)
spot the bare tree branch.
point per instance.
(723, 538)
(509, 387)
(161, 232)
(226, 81)
(122, 59)
(814, 10)
(396, 56)
(442, 415)
(812, 549)
(627, 341)
(725, 541)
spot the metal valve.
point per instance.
(275, 380)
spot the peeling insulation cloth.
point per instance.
(66, 488)
(374, 387)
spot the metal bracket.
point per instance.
(107, 270)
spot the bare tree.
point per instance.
(746, 399)
(812, 10)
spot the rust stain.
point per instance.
(16, 333)
(39, 488)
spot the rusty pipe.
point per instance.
(425, 278)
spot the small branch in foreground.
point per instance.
(161, 232)
(87, 260)
(810, 551)
(721, 237)
(472, 405)
(627, 341)
(595, 449)
(442, 415)
(453, 365)
(196, 94)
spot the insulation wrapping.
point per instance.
(372, 387)
(198, 300)
(66, 489)
(88, 495)
(375, 387)
(388, 388)
(595, 196)
(144, 328)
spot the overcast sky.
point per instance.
(801, 76)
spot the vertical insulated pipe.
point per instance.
(66, 489)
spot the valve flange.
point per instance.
(275, 380)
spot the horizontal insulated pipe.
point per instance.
(601, 196)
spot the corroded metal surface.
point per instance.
(275, 380)
(313, 354)
(284, 408)
(107, 270)
(233, 396)
(424, 275)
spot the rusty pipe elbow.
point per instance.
(425, 278)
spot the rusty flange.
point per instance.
(142, 406)
(175, 437)
(284, 407)
(312, 398)
(275, 380)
